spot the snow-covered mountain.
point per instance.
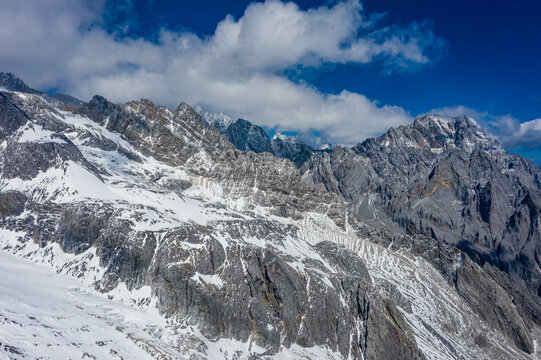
(250, 137)
(10, 82)
(181, 245)
(292, 148)
(325, 147)
(216, 120)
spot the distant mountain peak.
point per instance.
(217, 120)
(11, 82)
(325, 147)
(435, 133)
(287, 138)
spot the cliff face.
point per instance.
(239, 247)
(446, 179)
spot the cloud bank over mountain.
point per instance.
(240, 69)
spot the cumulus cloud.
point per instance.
(238, 70)
(515, 135)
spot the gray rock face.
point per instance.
(248, 137)
(292, 148)
(63, 99)
(155, 130)
(385, 321)
(10, 82)
(487, 290)
(217, 233)
(12, 118)
(447, 179)
(12, 203)
(26, 160)
(284, 306)
(259, 295)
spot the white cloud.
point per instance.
(239, 69)
(516, 135)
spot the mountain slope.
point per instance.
(292, 148)
(447, 179)
(111, 183)
(240, 255)
(64, 320)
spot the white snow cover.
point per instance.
(326, 146)
(36, 133)
(49, 316)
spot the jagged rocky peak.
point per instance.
(286, 138)
(98, 108)
(186, 112)
(445, 178)
(217, 120)
(292, 148)
(326, 147)
(248, 137)
(10, 82)
(434, 133)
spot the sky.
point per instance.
(330, 71)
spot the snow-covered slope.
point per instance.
(226, 254)
(49, 316)
(444, 324)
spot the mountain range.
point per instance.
(250, 137)
(423, 243)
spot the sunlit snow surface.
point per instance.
(50, 316)
(47, 315)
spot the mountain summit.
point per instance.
(10, 82)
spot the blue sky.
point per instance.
(492, 60)
(342, 69)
